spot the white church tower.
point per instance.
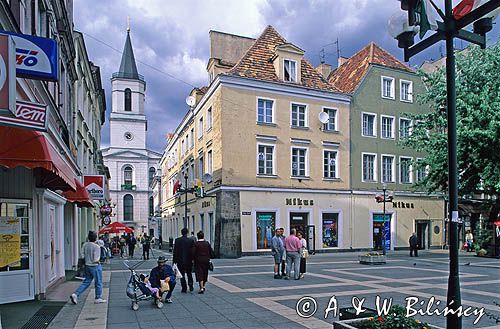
(131, 165)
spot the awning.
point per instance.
(30, 149)
(116, 227)
(81, 196)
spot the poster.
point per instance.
(265, 229)
(10, 242)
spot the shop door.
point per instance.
(423, 234)
(381, 231)
(298, 221)
(16, 260)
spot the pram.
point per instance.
(137, 290)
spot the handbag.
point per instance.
(178, 274)
(210, 265)
(305, 253)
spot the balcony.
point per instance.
(128, 187)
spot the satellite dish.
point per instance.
(190, 100)
(207, 178)
(323, 117)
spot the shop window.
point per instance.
(265, 229)
(14, 221)
(330, 222)
(128, 208)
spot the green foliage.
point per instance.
(482, 237)
(478, 124)
(395, 319)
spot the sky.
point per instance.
(171, 41)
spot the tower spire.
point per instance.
(128, 23)
(128, 68)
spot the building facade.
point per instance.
(131, 165)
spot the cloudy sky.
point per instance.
(171, 45)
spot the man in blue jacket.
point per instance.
(163, 272)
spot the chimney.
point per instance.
(324, 69)
(342, 60)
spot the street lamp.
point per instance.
(384, 188)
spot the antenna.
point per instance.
(128, 23)
(338, 49)
(322, 55)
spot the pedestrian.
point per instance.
(193, 237)
(303, 254)
(283, 260)
(277, 250)
(123, 242)
(91, 252)
(163, 272)
(160, 242)
(132, 241)
(469, 239)
(203, 252)
(292, 247)
(183, 257)
(146, 245)
(413, 244)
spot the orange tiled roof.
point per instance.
(256, 63)
(348, 75)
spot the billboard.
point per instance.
(36, 57)
(28, 115)
(95, 186)
(7, 75)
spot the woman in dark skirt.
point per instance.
(202, 254)
(303, 251)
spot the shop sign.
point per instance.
(403, 205)
(106, 221)
(205, 204)
(298, 202)
(7, 75)
(10, 241)
(28, 115)
(95, 186)
(246, 213)
(36, 57)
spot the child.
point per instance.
(154, 291)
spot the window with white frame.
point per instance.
(405, 170)
(388, 87)
(201, 165)
(265, 110)
(299, 162)
(368, 125)
(265, 159)
(191, 173)
(404, 128)
(330, 164)
(182, 147)
(299, 115)
(200, 127)
(369, 167)
(209, 119)
(209, 162)
(290, 70)
(127, 175)
(192, 138)
(331, 125)
(186, 140)
(388, 168)
(387, 124)
(406, 90)
(421, 171)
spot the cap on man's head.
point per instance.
(162, 259)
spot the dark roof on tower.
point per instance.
(128, 69)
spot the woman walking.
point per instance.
(202, 254)
(303, 255)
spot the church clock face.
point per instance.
(128, 136)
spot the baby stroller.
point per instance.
(137, 290)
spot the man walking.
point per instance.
(292, 247)
(413, 245)
(91, 251)
(163, 272)
(277, 250)
(132, 241)
(146, 245)
(183, 257)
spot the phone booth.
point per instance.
(311, 239)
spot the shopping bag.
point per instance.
(164, 286)
(178, 274)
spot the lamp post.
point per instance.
(384, 189)
(185, 200)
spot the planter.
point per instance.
(347, 324)
(372, 259)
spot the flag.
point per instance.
(427, 17)
(465, 7)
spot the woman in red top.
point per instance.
(202, 254)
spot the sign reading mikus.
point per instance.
(28, 115)
(95, 186)
(36, 57)
(7, 75)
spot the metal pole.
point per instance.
(453, 321)
(186, 221)
(383, 227)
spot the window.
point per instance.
(265, 229)
(200, 128)
(152, 174)
(405, 170)
(421, 171)
(388, 87)
(182, 147)
(192, 138)
(209, 162)
(404, 128)
(127, 175)
(369, 170)
(186, 140)
(128, 100)
(331, 125)
(202, 222)
(191, 173)
(209, 119)
(15, 216)
(330, 164)
(265, 160)
(265, 110)
(387, 169)
(368, 124)
(299, 115)
(330, 222)
(290, 70)
(387, 124)
(128, 208)
(201, 165)
(406, 88)
(299, 162)
(151, 207)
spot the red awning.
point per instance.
(81, 196)
(30, 149)
(116, 227)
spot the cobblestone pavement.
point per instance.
(242, 293)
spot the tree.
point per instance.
(478, 126)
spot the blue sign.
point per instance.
(36, 57)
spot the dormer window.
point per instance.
(290, 70)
